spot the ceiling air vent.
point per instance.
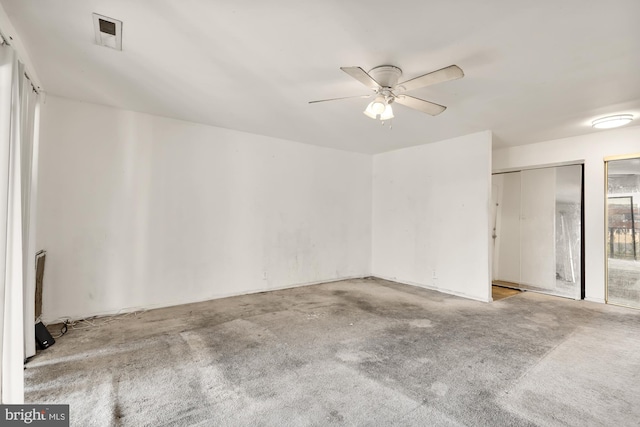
(108, 31)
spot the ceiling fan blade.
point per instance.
(420, 105)
(361, 75)
(338, 99)
(451, 72)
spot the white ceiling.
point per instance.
(534, 70)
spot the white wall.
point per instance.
(142, 211)
(431, 225)
(590, 150)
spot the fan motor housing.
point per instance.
(386, 75)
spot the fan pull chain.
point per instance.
(390, 123)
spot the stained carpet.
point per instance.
(357, 352)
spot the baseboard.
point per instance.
(59, 319)
(434, 288)
(598, 300)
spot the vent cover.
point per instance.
(108, 31)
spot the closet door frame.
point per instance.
(581, 290)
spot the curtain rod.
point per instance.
(6, 42)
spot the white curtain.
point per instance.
(30, 116)
(18, 166)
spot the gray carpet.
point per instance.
(357, 352)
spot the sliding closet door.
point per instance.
(568, 235)
(538, 228)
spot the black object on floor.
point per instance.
(43, 337)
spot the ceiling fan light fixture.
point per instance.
(387, 114)
(369, 111)
(612, 121)
(383, 80)
(378, 105)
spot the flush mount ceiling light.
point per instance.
(612, 121)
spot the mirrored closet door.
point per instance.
(537, 233)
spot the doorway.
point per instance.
(623, 234)
(538, 232)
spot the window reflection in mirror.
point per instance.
(623, 227)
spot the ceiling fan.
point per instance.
(383, 80)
